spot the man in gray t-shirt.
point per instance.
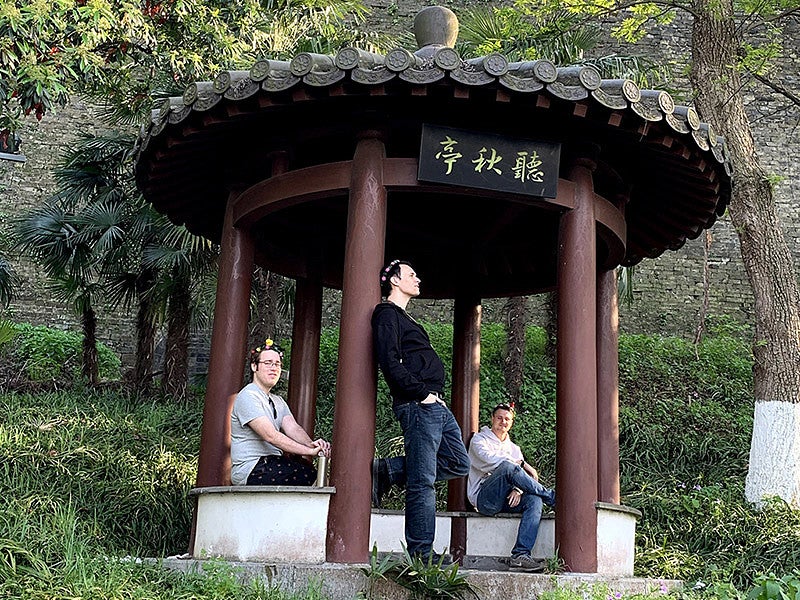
(267, 444)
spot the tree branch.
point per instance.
(775, 87)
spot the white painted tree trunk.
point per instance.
(775, 453)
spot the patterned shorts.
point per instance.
(282, 470)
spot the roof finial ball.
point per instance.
(435, 27)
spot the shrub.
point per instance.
(42, 354)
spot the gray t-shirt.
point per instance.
(246, 445)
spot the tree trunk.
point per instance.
(551, 328)
(267, 285)
(176, 357)
(775, 449)
(701, 319)
(514, 362)
(145, 336)
(89, 364)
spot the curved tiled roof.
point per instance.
(672, 170)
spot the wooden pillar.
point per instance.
(228, 344)
(465, 403)
(304, 367)
(576, 388)
(607, 388)
(356, 377)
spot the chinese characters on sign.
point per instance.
(488, 161)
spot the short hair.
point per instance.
(389, 271)
(267, 345)
(505, 406)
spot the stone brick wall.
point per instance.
(669, 289)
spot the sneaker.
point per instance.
(380, 481)
(525, 562)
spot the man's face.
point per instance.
(407, 281)
(267, 370)
(502, 420)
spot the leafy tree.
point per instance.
(734, 46)
(121, 52)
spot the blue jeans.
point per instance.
(434, 452)
(493, 498)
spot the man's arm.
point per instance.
(386, 339)
(530, 470)
(267, 432)
(293, 430)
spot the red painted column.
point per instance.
(607, 388)
(576, 388)
(356, 378)
(304, 367)
(228, 344)
(465, 404)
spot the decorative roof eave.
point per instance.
(573, 83)
(670, 159)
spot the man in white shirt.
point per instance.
(501, 481)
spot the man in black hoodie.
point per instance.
(415, 375)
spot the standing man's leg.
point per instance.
(422, 435)
(452, 460)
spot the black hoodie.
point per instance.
(410, 365)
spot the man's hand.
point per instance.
(430, 399)
(322, 447)
(514, 496)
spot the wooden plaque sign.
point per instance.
(488, 161)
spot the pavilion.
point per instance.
(493, 178)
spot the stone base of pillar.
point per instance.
(273, 524)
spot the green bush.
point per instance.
(44, 354)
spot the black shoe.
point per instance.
(380, 481)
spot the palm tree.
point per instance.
(88, 236)
(7, 276)
(50, 234)
(181, 262)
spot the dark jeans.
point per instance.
(282, 470)
(434, 452)
(493, 498)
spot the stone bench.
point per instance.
(495, 536)
(288, 524)
(267, 523)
